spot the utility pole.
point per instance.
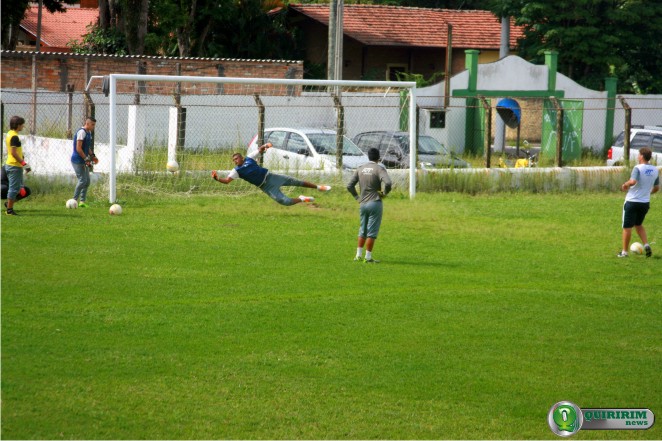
(504, 50)
(38, 45)
(339, 40)
(331, 56)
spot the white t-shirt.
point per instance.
(647, 176)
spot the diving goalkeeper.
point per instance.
(249, 170)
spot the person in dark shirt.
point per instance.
(370, 177)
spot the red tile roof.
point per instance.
(59, 28)
(379, 25)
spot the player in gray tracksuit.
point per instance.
(370, 177)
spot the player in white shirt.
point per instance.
(644, 181)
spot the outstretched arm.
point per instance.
(260, 150)
(214, 175)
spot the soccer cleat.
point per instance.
(622, 254)
(306, 198)
(371, 261)
(83, 205)
(649, 252)
(11, 212)
(324, 187)
(358, 259)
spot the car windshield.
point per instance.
(620, 140)
(427, 145)
(325, 144)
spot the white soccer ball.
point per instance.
(115, 209)
(637, 248)
(72, 204)
(172, 166)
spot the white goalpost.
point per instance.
(211, 117)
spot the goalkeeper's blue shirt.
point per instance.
(86, 136)
(252, 172)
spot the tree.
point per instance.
(130, 17)
(595, 38)
(13, 11)
(100, 41)
(183, 26)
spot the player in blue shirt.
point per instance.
(249, 170)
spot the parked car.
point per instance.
(394, 150)
(640, 136)
(308, 149)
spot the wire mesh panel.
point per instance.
(184, 127)
(199, 124)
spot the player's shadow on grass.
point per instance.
(415, 262)
(48, 213)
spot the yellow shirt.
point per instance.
(11, 160)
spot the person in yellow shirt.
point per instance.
(15, 162)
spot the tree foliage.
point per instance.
(100, 41)
(595, 39)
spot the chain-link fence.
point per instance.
(200, 126)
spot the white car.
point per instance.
(307, 149)
(640, 136)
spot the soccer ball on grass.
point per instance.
(637, 248)
(115, 209)
(72, 204)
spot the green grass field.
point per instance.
(235, 318)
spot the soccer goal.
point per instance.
(167, 133)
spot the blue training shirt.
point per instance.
(87, 142)
(251, 171)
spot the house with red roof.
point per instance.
(57, 29)
(380, 41)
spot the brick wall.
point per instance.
(56, 70)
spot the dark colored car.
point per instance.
(394, 150)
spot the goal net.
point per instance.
(199, 122)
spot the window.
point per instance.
(277, 139)
(368, 141)
(438, 119)
(393, 147)
(392, 71)
(296, 144)
(656, 145)
(640, 140)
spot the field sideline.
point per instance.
(235, 318)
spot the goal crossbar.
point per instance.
(112, 123)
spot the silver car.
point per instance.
(307, 149)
